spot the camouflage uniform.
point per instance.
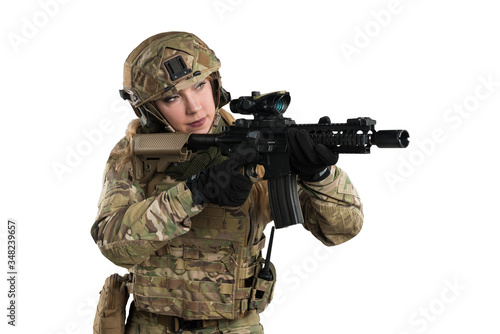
(131, 228)
(201, 261)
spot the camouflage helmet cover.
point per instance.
(150, 69)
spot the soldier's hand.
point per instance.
(309, 160)
(222, 184)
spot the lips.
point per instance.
(198, 123)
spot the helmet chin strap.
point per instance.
(150, 123)
(152, 120)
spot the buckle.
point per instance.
(129, 95)
(186, 325)
(124, 95)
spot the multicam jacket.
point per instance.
(201, 262)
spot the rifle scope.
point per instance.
(271, 104)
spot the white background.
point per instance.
(426, 260)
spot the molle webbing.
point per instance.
(206, 273)
(188, 298)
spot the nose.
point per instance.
(193, 104)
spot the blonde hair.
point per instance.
(260, 210)
(125, 154)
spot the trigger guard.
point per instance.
(251, 172)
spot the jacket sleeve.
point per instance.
(130, 227)
(332, 209)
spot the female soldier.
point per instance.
(192, 244)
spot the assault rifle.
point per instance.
(263, 140)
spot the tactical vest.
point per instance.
(208, 273)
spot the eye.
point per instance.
(170, 99)
(200, 85)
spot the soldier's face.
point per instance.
(192, 110)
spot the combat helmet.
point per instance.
(163, 65)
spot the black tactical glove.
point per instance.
(310, 160)
(222, 184)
